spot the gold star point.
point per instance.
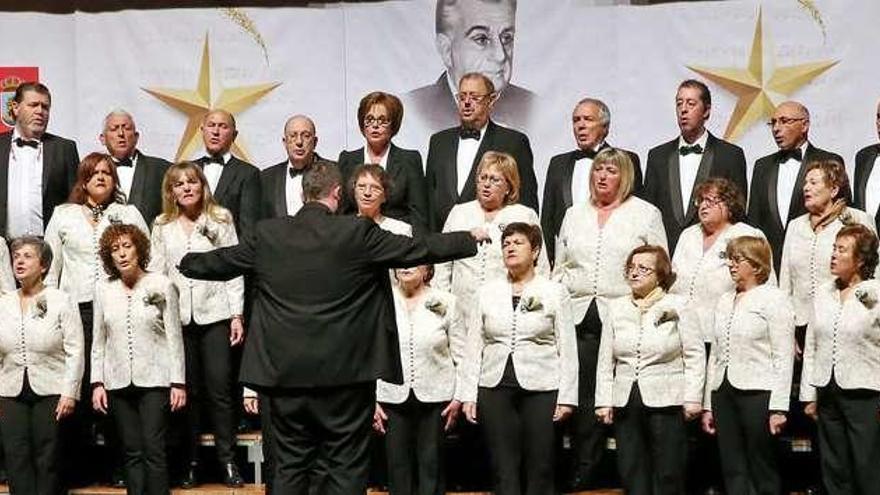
(757, 96)
(196, 103)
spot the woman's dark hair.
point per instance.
(729, 194)
(391, 103)
(111, 235)
(42, 247)
(865, 249)
(376, 172)
(84, 173)
(663, 267)
(531, 232)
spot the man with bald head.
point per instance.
(234, 183)
(473, 36)
(140, 175)
(867, 176)
(776, 194)
(282, 183)
(568, 175)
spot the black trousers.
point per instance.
(414, 447)
(519, 430)
(209, 388)
(141, 416)
(849, 440)
(588, 436)
(30, 441)
(749, 453)
(651, 447)
(268, 448)
(324, 429)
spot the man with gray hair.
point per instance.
(473, 36)
(568, 175)
(140, 175)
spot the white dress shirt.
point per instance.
(702, 274)
(872, 189)
(24, 190)
(45, 340)
(688, 166)
(293, 190)
(76, 264)
(201, 301)
(538, 335)
(580, 179)
(213, 171)
(590, 258)
(806, 259)
(126, 174)
(383, 160)
(464, 277)
(660, 349)
(137, 337)
(753, 344)
(432, 346)
(464, 158)
(786, 179)
(843, 340)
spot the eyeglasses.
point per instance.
(474, 97)
(640, 270)
(370, 121)
(735, 259)
(712, 202)
(784, 121)
(492, 180)
(368, 187)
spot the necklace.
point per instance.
(97, 211)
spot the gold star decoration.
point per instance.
(757, 93)
(196, 103)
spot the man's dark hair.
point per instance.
(705, 94)
(30, 86)
(319, 180)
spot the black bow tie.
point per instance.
(794, 154)
(465, 133)
(581, 154)
(26, 142)
(125, 162)
(687, 150)
(293, 171)
(213, 159)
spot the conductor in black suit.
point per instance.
(867, 176)
(27, 197)
(472, 36)
(282, 183)
(323, 327)
(379, 118)
(234, 183)
(453, 154)
(568, 176)
(675, 168)
(776, 195)
(140, 175)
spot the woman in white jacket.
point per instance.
(414, 416)
(210, 312)
(749, 371)
(650, 375)
(522, 369)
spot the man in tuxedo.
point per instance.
(140, 175)
(234, 183)
(568, 175)
(282, 183)
(323, 327)
(37, 169)
(776, 196)
(867, 177)
(675, 168)
(453, 154)
(473, 36)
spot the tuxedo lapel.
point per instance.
(50, 157)
(5, 145)
(567, 177)
(139, 181)
(393, 167)
(793, 210)
(674, 177)
(772, 198)
(862, 174)
(703, 172)
(226, 177)
(280, 192)
(451, 172)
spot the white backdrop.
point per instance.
(327, 57)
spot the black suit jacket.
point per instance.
(60, 162)
(763, 202)
(663, 183)
(273, 190)
(434, 106)
(238, 190)
(557, 194)
(323, 311)
(146, 186)
(864, 164)
(409, 197)
(442, 176)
